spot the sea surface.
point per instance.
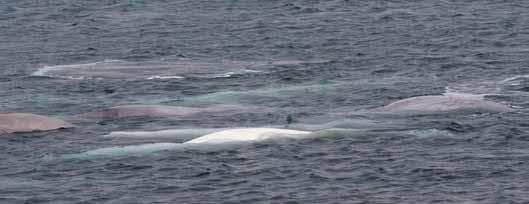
(321, 64)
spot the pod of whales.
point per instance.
(27, 122)
(151, 111)
(443, 103)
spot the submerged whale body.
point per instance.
(130, 150)
(212, 140)
(150, 111)
(444, 103)
(27, 122)
(246, 135)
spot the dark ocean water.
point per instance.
(325, 63)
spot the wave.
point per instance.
(235, 73)
(51, 71)
(55, 70)
(514, 80)
(518, 84)
(165, 77)
(150, 70)
(507, 86)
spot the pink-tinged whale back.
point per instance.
(27, 122)
(443, 103)
(150, 111)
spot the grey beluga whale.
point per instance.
(27, 122)
(443, 103)
(126, 111)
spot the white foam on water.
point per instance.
(165, 77)
(344, 123)
(225, 75)
(484, 88)
(150, 70)
(252, 71)
(161, 69)
(298, 62)
(478, 93)
(451, 92)
(48, 70)
(232, 74)
(510, 79)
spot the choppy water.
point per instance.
(326, 63)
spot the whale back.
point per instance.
(142, 111)
(247, 134)
(154, 111)
(27, 122)
(443, 103)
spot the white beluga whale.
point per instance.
(247, 135)
(27, 122)
(192, 133)
(217, 140)
(443, 103)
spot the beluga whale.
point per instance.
(126, 111)
(216, 139)
(246, 135)
(27, 122)
(443, 103)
